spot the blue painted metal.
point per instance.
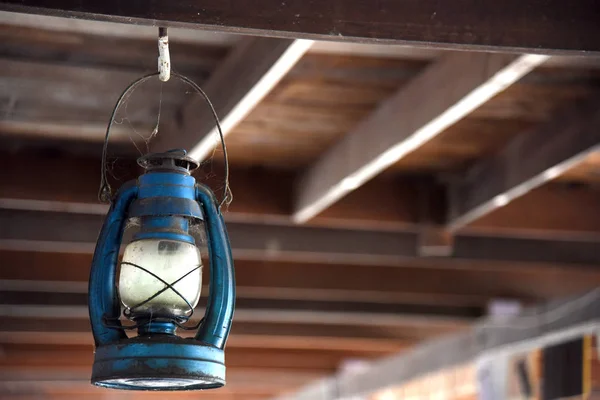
(166, 228)
(157, 359)
(169, 363)
(102, 294)
(221, 303)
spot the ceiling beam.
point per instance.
(50, 40)
(276, 280)
(265, 196)
(490, 339)
(67, 232)
(70, 101)
(68, 273)
(526, 163)
(245, 335)
(261, 196)
(239, 83)
(444, 93)
(467, 24)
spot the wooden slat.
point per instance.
(535, 328)
(265, 196)
(67, 232)
(41, 44)
(440, 96)
(466, 24)
(322, 360)
(245, 335)
(410, 284)
(260, 195)
(255, 65)
(38, 93)
(527, 162)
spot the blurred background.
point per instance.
(383, 195)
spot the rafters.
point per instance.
(244, 78)
(527, 162)
(444, 93)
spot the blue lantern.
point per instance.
(160, 281)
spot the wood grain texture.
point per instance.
(248, 73)
(527, 162)
(468, 24)
(444, 93)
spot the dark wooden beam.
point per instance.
(68, 273)
(265, 196)
(443, 94)
(245, 335)
(540, 26)
(265, 310)
(38, 43)
(527, 162)
(260, 195)
(289, 360)
(69, 101)
(68, 232)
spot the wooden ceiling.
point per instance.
(505, 196)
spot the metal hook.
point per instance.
(164, 58)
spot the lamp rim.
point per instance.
(156, 358)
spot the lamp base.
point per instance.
(159, 362)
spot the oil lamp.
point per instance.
(159, 282)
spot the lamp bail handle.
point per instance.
(105, 191)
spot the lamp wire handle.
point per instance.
(105, 191)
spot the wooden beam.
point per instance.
(68, 232)
(65, 305)
(411, 284)
(490, 340)
(44, 97)
(444, 93)
(466, 24)
(527, 162)
(40, 356)
(261, 196)
(243, 79)
(49, 40)
(245, 335)
(265, 196)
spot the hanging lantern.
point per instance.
(159, 283)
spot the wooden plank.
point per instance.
(547, 209)
(40, 43)
(265, 196)
(527, 162)
(289, 360)
(261, 196)
(440, 96)
(466, 24)
(56, 304)
(245, 335)
(491, 340)
(68, 232)
(411, 284)
(40, 95)
(255, 65)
